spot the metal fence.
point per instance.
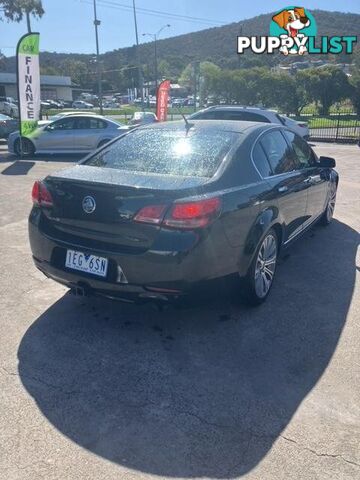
(342, 127)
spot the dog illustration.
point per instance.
(293, 21)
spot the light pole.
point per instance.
(96, 24)
(140, 76)
(155, 37)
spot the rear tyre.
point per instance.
(259, 279)
(330, 207)
(27, 147)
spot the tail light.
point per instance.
(151, 214)
(304, 125)
(186, 215)
(41, 195)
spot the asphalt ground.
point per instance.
(92, 389)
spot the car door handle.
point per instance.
(312, 179)
(283, 189)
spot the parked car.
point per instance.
(143, 118)
(110, 104)
(251, 114)
(7, 125)
(178, 102)
(8, 106)
(45, 106)
(169, 205)
(54, 103)
(70, 134)
(82, 104)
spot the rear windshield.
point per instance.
(167, 152)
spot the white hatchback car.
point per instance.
(252, 114)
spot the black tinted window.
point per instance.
(97, 123)
(64, 124)
(261, 162)
(246, 116)
(82, 123)
(232, 115)
(278, 152)
(168, 152)
(303, 153)
(211, 115)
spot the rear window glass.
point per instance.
(167, 152)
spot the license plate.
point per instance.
(86, 263)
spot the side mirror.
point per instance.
(327, 162)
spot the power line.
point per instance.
(157, 13)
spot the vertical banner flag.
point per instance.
(28, 81)
(162, 98)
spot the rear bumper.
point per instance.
(171, 268)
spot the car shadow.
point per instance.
(18, 168)
(61, 158)
(200, 392)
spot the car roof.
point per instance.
(86, 114)
(238, 108)
(66, 114)
(237, 126)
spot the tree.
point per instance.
(325, 86)
(208, 73)
(164, 69)
(356, 57)
(15, 10)
(355, 90)
(286, 93)
(77, 70)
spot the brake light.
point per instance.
(304, 125)
(41, 195)
(185, 215)
(193, 214)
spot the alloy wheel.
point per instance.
(265, 265)
(331, 203)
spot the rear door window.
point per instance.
(167, 151)
(303, 153)
(278, 152)
(82, 123)
(97, 123)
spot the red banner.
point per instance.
(162, 97)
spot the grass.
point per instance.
(126, 111)
(326, 122)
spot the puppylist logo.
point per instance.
(293, 31)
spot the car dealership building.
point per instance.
(52, 86)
